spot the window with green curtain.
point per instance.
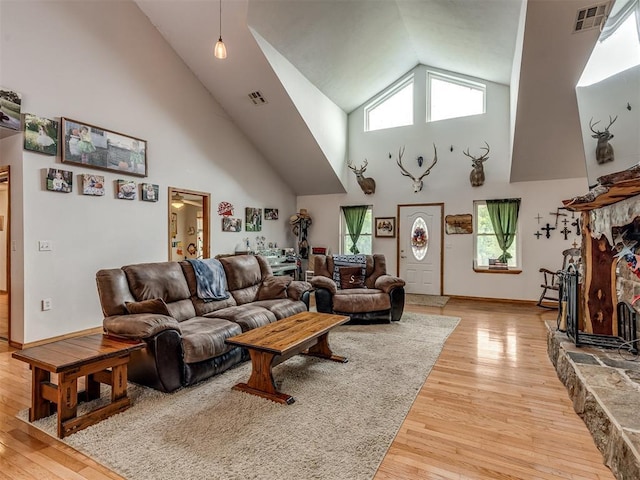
(355, 220)
(504, 219)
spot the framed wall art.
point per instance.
(96, 147)
(458, 224)
(271, 214)
(92, 184)
(40, 134)
(253, 219)
(174, 225)
(385, 227)
(59, 180)
(230, 224)
(149, 192)
(126, 189)
(10, 108)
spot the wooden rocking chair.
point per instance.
(552, 280)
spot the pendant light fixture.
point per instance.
(220, 51)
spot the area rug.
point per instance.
(343, 420)
(426, 300)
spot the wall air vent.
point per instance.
(591, 17)
(257, 98)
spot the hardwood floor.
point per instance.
(4, 315)
(492, 408)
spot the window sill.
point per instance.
(508, 271)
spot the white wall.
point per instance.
(449, 183)
(609, 98)
(103, 63)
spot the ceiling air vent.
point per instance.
(257, 98)
(591, 17)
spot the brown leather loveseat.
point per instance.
(357, 286)
(185, 335)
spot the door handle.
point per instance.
(403, 256)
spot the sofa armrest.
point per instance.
(326, 283)
(386, 283)
(296, 289)
(141, 325)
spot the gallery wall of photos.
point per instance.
(98, 148)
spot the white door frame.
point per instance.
(398, 216)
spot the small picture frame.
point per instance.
(174, 225)
(253, 219)
(230, 224)
(385, 227)
(40, 134)
(92, 184)
(59, 180)
(271, 214)
(126, 189)
(149, 192)
(10, 108)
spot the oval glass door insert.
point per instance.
(419, 238)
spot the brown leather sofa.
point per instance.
(378, 297)
(185, 335)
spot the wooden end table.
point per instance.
(99, 358)
(272, 344)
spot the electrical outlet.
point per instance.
(46, 304)
(44, 245)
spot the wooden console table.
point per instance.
(99, 358)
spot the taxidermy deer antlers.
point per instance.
(417, 182)
(476, 177)
(604, 151)
(367, 184)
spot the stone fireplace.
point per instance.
(604, 383)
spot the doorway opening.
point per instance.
(5, 256)
(189, 213)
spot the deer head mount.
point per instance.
(417, 181)
(476, 177)
(604, 151)
(367, 184)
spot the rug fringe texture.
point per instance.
(340, 427)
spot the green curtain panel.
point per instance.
(504, 218)
(354, 217)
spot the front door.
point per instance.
(420, 247)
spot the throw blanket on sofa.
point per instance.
(211, 281)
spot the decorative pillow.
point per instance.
(155, 305)
(274, 287)
(348, 261)
(351, 277)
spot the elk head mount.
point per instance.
(417, 181)
(367, 184)
(604, 151)
(476, 177)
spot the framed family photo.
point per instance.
(230, 224)
(59, 180)
(10, 108)
(92, 184)
(253, 219)
(271, 214)
(40, 134)
(150, 192)
(385, 227)
(97, 147)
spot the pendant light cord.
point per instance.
(220, 19)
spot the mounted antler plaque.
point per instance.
(417, 181)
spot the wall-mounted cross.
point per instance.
(565, 221)
(565, 231)
(577, 225)
(538, 218)
(538, 234)
(548, 229)
(557, 214)
(574, 244)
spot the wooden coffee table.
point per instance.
(272, 344)
(100, 358)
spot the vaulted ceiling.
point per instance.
(350, 50)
